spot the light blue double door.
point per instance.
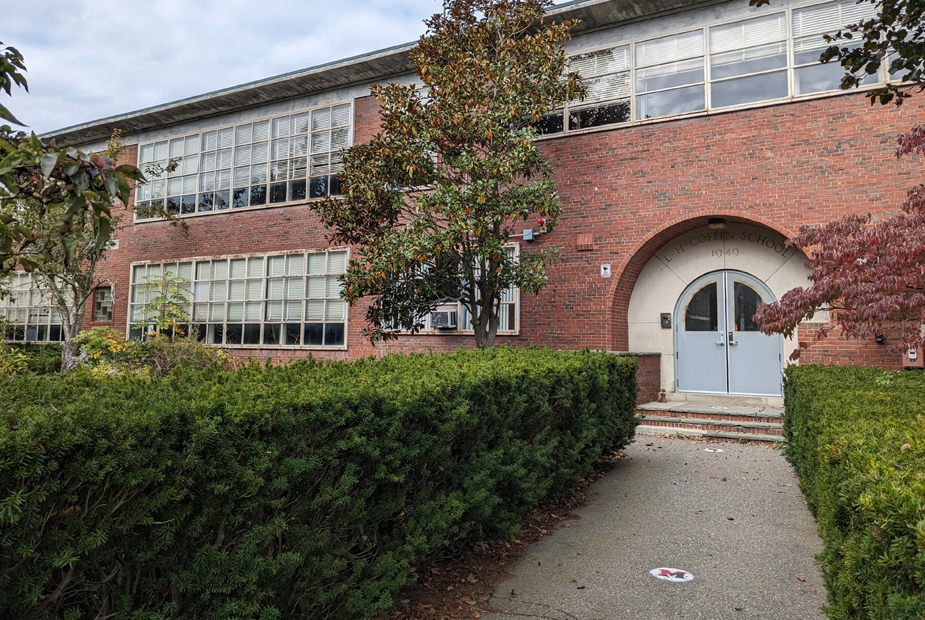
(719, 349)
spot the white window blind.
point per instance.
(669, 49)
(828, 17)
(750, 33)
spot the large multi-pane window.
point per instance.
(761, 59)
(809, 25)
(28, 313)
(277, 160)
(272, 300)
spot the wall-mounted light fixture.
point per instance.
(717, 223)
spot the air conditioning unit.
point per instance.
(443, 319)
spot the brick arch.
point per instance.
(628, 270)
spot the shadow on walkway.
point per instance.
(735, 519)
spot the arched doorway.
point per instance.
(718, 347)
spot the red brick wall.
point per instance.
(630, 189)
(836, 349)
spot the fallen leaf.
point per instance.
(573, 581)
(650, 444)
(800, 578)
(581, 587)
(471, 578)
(539, 563)
(730, 519)
(905, 446)
(476, 614)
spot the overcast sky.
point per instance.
(87, 60)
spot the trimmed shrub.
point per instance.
(856, 437)
(40, 358)
(304, 491)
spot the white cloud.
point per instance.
(90, 60)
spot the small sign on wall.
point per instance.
(605, 271)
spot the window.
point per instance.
(278, 160)
(508, 312)
(29, 313)
(809, 26)
(607, 76)
(102, 304)
(274, 300)
(670, 75)
(733, 64)
(748, 61)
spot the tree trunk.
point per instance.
(486, 326)
(70, 352)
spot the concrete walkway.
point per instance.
(668, 505)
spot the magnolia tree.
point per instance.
(871, 274)
(63, 184)
(431, 202)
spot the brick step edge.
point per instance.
(762, 416)
(711, 422)
(691, 432)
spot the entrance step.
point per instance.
(728, 400)
(722, 421)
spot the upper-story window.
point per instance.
(750, 61)
(276, 160)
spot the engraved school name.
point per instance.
(776, 245)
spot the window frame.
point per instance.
(233, 127)
(96, 292)
(787, 12)
(263, 300)
(26, 284)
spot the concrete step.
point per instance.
(724, 421)
(645, 429)
(725, 399)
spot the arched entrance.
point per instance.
(718, 347)
(675, 260)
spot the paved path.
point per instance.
(666, 505)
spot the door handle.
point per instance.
(732, 342)
(720, 342)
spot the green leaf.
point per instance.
(7, 115)
(48, 163)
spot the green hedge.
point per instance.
(856, 437)
(301, 491)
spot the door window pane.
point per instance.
(747, 301)
(701, 313)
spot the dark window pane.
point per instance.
(205, 202)
(233, 334)
(595, 117)
(293, 334)
(221, 200)
(335, 185)
(54, 333)
(271, 335)
(239, 199)
(318, 187)
(42, 333)
(670, 102)
(32, 333)
(188, 205)
(297, 190)
(19, 333)
(701, 312)
(258, 195)
(549, 124)
(198, 332)
(747, 301)
(334, 334)
(252, 334)
(173, 205)
(749, 89)
(314, 334)
(216, 333)
(278, 192)
(136, 332)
